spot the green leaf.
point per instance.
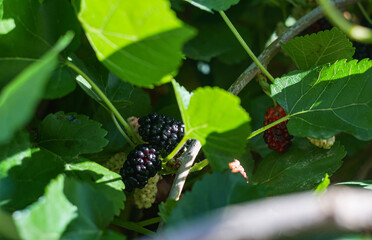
(145, 48)
(95, 210)
(209, 5)
(6, 26)
(322, 187)
(24, 183)
(165, 209)
(351, 144)
(129, 100)
(364, 184)
(183, 98)
(8, 229)
(49, 216)
(199, 166)
(60, 84)
(295, 171)
(71, 134)
(257, 108)
(214, 191)
(216, 119)
(108, 182)
(318, 49)
(19, 98)
(329, 99)
(38, 28)
(214, 40)
(13, 153)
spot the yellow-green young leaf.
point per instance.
(139, 41)
(295, 171)
(49, 216)
(209, 5)
(328, 99)
(216, 119)
(322, 187)
(318, 49)
(19, 98)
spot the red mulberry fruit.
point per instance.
(277, 137)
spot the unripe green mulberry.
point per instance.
(115, 162)
(145, 197)
(323, 143)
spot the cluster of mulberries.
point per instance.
(115, 162)
(145, 197)
(277, 137)
(142, 163)
(160, 131)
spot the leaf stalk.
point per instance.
(245, 45)
(107, 102)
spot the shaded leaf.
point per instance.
(95, 210)
(71, 134)
(38, 27)
(49, 216)
(295, 171)
(13, 153)
(216, 41)
(214, 191)
(145, 49)
(26, 182)
(60, 84)
(209, 5)
(108, 182)
(318, 49)
(19, 98)
(165, 209)
(329, 99)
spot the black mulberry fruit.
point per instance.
(142, 163)
(277, 137)
(160, 131)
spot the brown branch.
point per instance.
(297, 216)
(274, 47)
(187, 159)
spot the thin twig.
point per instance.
(274, 47)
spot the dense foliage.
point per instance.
(79, 79)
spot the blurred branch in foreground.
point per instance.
(297, 216)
